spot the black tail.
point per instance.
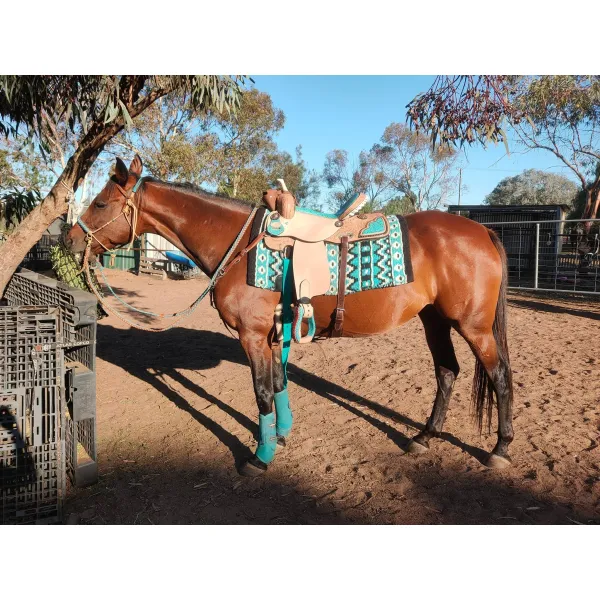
(483, 388)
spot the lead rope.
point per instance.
(221, 270)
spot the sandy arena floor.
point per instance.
(176, 411)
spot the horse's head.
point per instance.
(109, 218)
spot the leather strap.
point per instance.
(243, 253)
(338, 326)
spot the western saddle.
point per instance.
(303, 234)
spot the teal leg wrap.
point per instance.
(284, 413)
(267, 440)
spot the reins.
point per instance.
(221, 270)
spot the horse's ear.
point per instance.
(136, 167)
(121, 172)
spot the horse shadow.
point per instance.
(160, 354)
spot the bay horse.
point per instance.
(460, 280)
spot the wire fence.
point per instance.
(554, 255)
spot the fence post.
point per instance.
(537, 254)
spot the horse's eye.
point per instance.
(101, 204)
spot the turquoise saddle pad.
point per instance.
(372, 264)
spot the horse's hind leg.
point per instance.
(492, 374)
(437, 332)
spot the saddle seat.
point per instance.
(310, 226)
(307, 233)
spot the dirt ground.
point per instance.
(176, 412)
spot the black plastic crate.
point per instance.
(82, 346)
(77, 307)
(80, 444)
(32, 456)
(39, 256)
(28, 347)
(77, 312)
(32, 484)
(77, 318)
(80, 424)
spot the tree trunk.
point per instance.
(235, 186)
(55, 204)
(29, 231)
(590, 210)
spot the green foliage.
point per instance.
(16, 205)
(68, 270)
(556, 113)
(243, 147)
(465, 109)
(167, 137)
(304, 184)
(403, 165)
(533, 187)
(7, 175)
(548, 99)
(243, 159)
(21, 166)
(93, 100)
(400, 205)
(61, 119)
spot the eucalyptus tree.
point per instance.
(94, 109)
(559, 114)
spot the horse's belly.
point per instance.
(373, 311)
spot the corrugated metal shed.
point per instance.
(122, 259)
(154, 243)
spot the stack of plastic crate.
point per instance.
(77, 332)
(32, 450)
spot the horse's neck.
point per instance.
(199, 226)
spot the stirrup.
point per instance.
(303, 311)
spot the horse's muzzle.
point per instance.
(74, 239)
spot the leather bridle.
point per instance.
(130, 211)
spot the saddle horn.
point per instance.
(282, 201)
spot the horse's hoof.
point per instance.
(281, 441)
(253, 467)
(496, 461)
(416, 448)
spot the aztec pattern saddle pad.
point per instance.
(372, 264)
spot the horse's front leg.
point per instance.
(283, 412)
(259, 354)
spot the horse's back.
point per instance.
(455, 266)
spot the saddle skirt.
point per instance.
(378, 253)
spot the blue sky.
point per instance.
(351, 113)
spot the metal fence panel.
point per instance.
(552, 255)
